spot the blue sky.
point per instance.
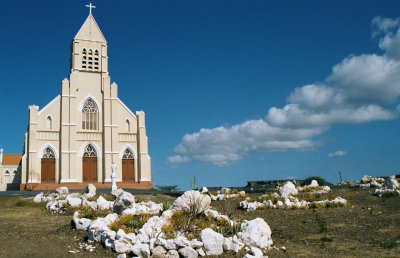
(233, 90)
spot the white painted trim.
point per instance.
(48, 105)
(122, 103)
(70, 124)
(32, 151)
(69, 96)
(108, 180)
(33, 181)
(44, 146)
(143, 152)
(109, 152)
(121, 153)
(145, 180)
(83, 146)
(110, 98)
(68, 151)
(69, 181)
(110, 125)
(80, 107)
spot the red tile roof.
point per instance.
(11, 159)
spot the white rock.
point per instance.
(63, 190)
(102, 203)
(121, 256)
(191, 198)
(252, 206)
(141, 250)
(392, 183)
(366, 179)
(242, 193)
(279, 204)
(38, 198)
(124, 201)
(256, 252)
(181, 241)
(225, 190)
(167, 214)
(212, 241)
(130, 237)
(152, 243)
(92, 205)
(80, 223)
(121, 246)
(108, 243)
(288, 189)
(256, 233)
(204, 189)
(227, 244)
(172, 254)
(201, 252)
(237, 244)
(116, 192)
(158, 252)
(314, 183)
(287, 203)
(194, 243)
(169, 244)
(211, 213)
(74, 202)
(90, 190)
(188, 252)
(120, 234)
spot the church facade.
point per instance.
(76, 137)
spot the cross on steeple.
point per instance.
(90, 7)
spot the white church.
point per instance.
(75, 139)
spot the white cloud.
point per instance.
(337, 154)
(178, 159)
(383, 25)
(354, 93)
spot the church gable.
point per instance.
(49, 116)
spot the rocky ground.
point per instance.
(370, 227)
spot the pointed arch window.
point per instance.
(48, 153)
(127, 125)
(49, 123)
(90, 151)
(128, 154)
(90, 115)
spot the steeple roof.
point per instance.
(90, 31)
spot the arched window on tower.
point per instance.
(49, 123)
(127, 125)
(90, 116)
(96, 60)
(84, 58)
(90, 59)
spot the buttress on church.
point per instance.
(75, 138)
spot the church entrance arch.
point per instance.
(128, 166)
(89, 164)
(48, 166)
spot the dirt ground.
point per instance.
(368, 228)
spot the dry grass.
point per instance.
(130, 223)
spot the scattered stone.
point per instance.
(192, 198)
(90, 190)
(188, 252)
(124, 201)
(212, 241)
(63, 190)
(158, 252)
(288, 189)
(257, 233)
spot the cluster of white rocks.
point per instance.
(291, 202)
(254, 236)
(223, 194)
(390, 185)
(369, 181)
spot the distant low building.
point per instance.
(10, 171)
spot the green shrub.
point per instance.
(320, 180)
(169, 188)
(166, 205)
(390, 194)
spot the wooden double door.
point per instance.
(128, 170)
(48, 170)
(89, 169)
